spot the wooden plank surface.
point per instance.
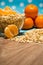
(14, 53)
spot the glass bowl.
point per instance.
(17, 19)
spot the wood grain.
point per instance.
(14, 53)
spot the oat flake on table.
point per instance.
(34, 35)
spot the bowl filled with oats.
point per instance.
(8, 16)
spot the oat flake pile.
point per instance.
(34, 35)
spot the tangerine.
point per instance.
(31, 11)
(11, 31)
(28, 23)
(39, 21)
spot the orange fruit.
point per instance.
(11, 31)
(7, 11)
(1, 12)
(7, 8)
(39, 21)
(28, 23)
(12, 12)
(31, 11)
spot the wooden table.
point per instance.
(14, 53)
